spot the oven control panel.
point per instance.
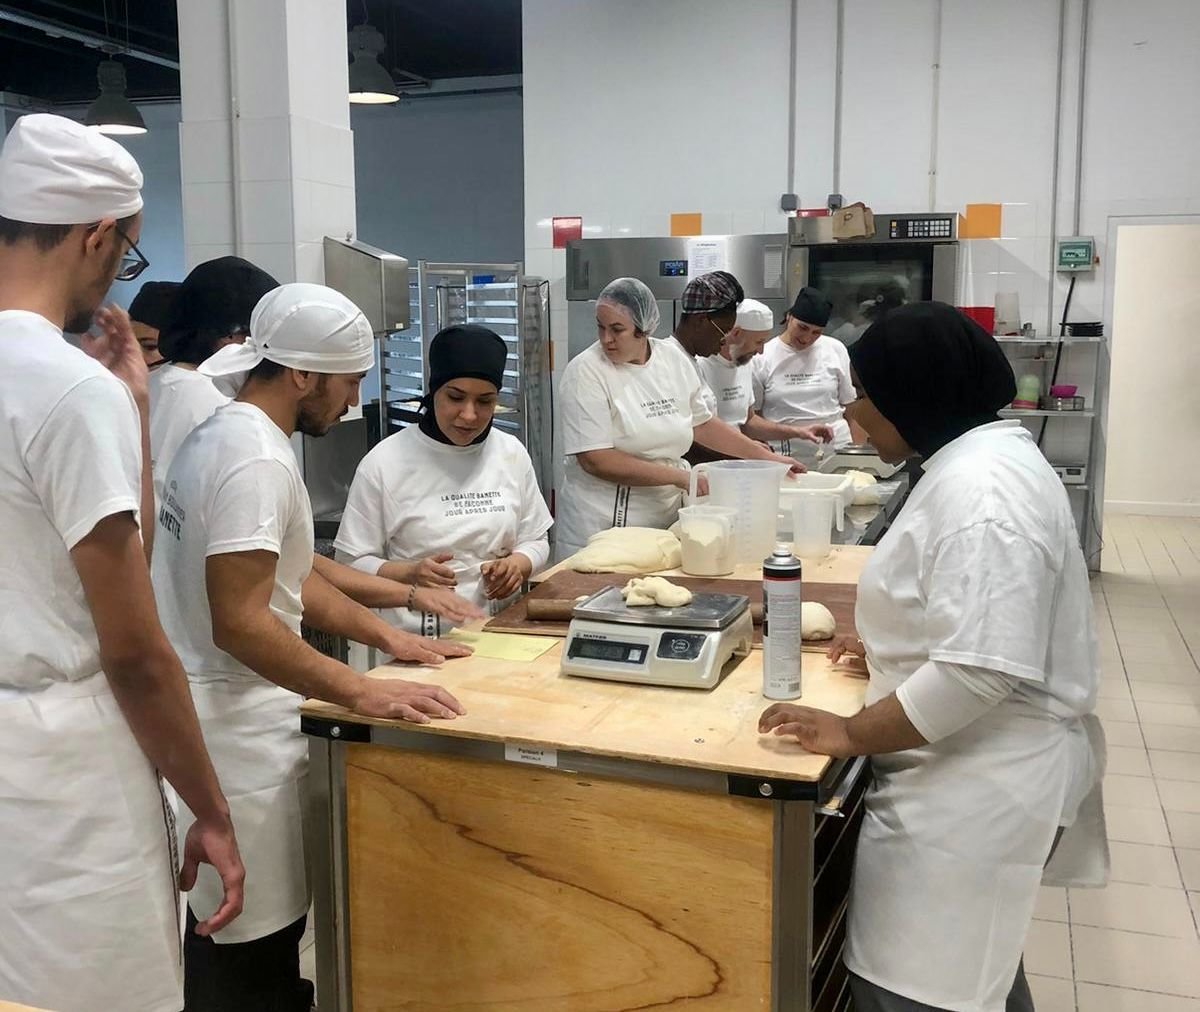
(924, 226)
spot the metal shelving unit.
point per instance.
(503, 298)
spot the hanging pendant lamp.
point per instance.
(112, 112)
(370, 83)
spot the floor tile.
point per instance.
(1098, 998)
(1051, 994)
(1151, 910)
(1144, 864)
(1174, 714)
(1179, 674)
(1136, 825)
(1125, 733)
(1134, 792)
(1051, 905)
(1170, 737)
(1185, 829)
(1048, 950)
(1189, 866)
(1108, 708)
(1139, 962)
(1132, 762)
(1179, 795)
(1166, 692)
(1156, 652)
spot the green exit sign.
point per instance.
(1076, 253)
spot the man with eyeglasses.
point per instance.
(94, 704)
(708, 315)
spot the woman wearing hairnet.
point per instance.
(632, 406)
(976, 624)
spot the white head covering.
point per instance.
(54, 171)
(753, 315)
(636, 299)
(300, 326)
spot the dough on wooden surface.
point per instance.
(655, 590)
(816, 621)
(629, 550)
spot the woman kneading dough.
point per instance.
(976, 624)
(451, 502)
(632, 406)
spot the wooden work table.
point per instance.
(573, 845)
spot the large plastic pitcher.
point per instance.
(812, 520)
(751, 488)
(706, 537)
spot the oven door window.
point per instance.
(865, 281)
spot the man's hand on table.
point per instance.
(404, 646)
(414, 702)
(444, 602)
(818, 731)
(849, 652)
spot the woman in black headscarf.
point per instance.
(452, 501)
(976, 625)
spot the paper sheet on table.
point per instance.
(504, 646)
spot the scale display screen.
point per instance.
(607, 650)
(672, 268)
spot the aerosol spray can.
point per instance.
(781, 625)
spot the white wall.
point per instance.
(1156, 359)
(639, 108)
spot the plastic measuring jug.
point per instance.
(706, 537)
(812, 521)
(751, 489)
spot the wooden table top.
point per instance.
(534, 704)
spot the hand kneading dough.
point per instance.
(629, 550)
(654, 590)
(816, 621)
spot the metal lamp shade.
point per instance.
(370, 83)
(112, 112)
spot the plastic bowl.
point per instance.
(1063, 390)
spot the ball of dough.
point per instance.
(629, 550)
(816, 621)
(655, 590)
(865, 492)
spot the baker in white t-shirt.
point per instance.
(728, 375)
(803, 377)
(233, 573)
(94, 705)
(475, 520)
(210, 310)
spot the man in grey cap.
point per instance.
(93, 701)
(708, 315)
(234, 575)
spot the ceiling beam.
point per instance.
(93, 40)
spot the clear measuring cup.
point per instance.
(706, 538)
(812, 525)
(751, 489)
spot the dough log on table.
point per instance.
(655, 590)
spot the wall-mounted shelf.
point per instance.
(1013, 339)
(1023, 413)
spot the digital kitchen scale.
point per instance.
(857, 458)
(686, 647)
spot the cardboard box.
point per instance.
(854, 221)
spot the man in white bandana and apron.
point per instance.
(94, 705)
(233, 571)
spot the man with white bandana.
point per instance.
(94, 704)
(233, 571)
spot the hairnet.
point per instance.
(636, 299)
(933, 373)
(215, 299)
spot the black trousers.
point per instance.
(258, 976)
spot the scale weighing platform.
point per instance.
(684, 647)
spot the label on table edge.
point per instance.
(530, 755)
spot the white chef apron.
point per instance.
(252, 729)
(89, 905)
(805, 450)
(952, 850)
(588, 505)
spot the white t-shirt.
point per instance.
(478, 502)
(806, 387)
(647, 411)
(710, 399)
(180, 399)
(234, 486)
(731, 386)
(70, 455)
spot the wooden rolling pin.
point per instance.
(551, 609)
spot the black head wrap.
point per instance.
(152, 303)
(467, 351)
(933, 373)
(811, 306)
(214, 301)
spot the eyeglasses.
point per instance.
(724, 334)
(132, 261)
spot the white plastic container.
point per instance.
(812, 523)
(706, 540)
(751, 489)
(839, 488)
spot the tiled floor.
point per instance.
(1134, 947)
